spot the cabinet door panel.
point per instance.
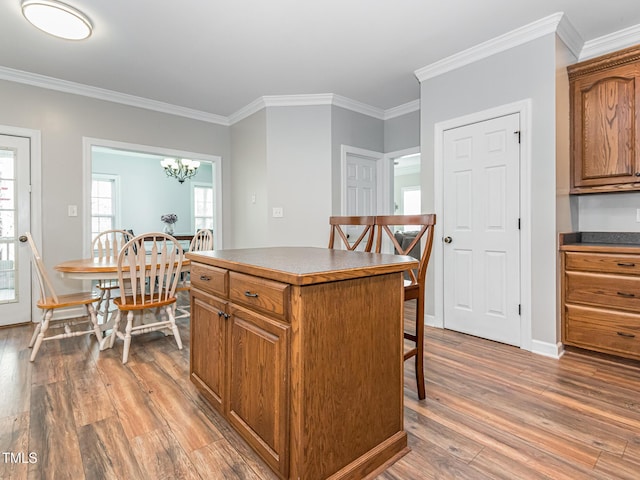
(604, 128)
(208, 346)
(258, 383)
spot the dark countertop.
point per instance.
(611, 242)
(304, 265)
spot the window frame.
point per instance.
(195, 185)
(116, 216)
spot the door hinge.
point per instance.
(519, 224)
(519, 309)
(517, 132)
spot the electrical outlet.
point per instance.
(637, 214)
(278, 212)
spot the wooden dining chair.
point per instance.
(340, 229)
(149, 268)
(415, 284)
(201, 241)
(106, 246)
(50, 302)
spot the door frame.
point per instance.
(523, 108)
(88, 143)
(35, 168)
(382, 176)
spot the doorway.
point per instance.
(134, 191)
(19, 171)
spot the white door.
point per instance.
(15, 210)
(361, 190)
(481, 229)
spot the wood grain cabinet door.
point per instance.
(605, 128)
(208, 335)
(258, 383)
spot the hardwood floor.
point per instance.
(492, 411)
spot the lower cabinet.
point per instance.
(306, 367)
(601, 300)
(258, 383)
(239, 360)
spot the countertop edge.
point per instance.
(295, 278)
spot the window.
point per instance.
(103, 203)
(202, 207)
(411, 201)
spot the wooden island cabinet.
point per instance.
(301, 350)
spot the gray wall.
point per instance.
(355, 130)
(249, 189)
(299, 174)
(63, 120)
(402, 132)
(144, 184)
(609, 212)
(523, 72)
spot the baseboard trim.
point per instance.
(552, 350)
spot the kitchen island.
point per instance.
(301, 350)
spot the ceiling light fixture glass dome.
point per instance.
(56, 18)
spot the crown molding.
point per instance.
(511, 39)
(74, 88)
(570, 36)
(403, 109)
(65, 86)
(612, 42)
(307, 101)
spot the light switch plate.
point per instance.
(72, 210)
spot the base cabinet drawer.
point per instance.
(603, 330)
(612, 291)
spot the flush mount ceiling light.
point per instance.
(57, 19)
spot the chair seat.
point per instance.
(140, 304)
(69, 300)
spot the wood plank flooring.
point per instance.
(492, 411)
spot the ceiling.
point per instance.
(217, 57)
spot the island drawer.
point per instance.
(259, 293)
(603, 330)
(626, 264)
(612, 291)
(210, 279)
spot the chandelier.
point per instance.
(181, 168)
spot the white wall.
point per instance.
(523, 72)
(63, 120)
(609, 212)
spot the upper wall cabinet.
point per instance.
(605, 131)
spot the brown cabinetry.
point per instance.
(301, 350)
(239, 358)
(601, 299)
(605, 131)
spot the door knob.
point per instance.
(22, 238)
(448, 239)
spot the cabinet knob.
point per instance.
(637, 174)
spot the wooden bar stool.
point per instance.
(415, 284)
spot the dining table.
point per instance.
(96, 269)
(99, 269)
